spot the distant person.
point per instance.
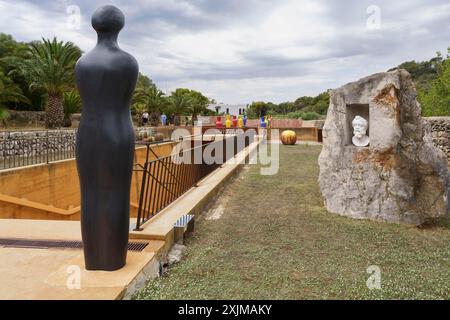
(163, 119)
(145, 117)
(172, 119)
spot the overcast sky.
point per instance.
(239, 51)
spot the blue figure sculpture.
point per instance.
(245, 119)
(163, 119)
(263, 123)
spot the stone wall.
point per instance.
(20, 148)
(36, 142)
(26, 118)
(440, 132)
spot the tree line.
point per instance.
(432, 80)
(40, 75)
(306, 108)
(181, 102)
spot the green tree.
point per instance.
(144, 82)
(9, 92)
(11, 48)
(284, 108)
(303, 102)
(257, 109)
(435, 100)
(318, 104)
(180, 103)
(199, 104)
(423, 73)
(152, 100)
(50, 67)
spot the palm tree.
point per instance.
(180, 103)
(152, 100)
(198, 105)
(139, 109)
(151, 97)
(194, 110)
(51, 66)
(72, 104)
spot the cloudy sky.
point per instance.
(239, 51)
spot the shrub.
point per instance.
(311, 116)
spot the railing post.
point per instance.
(224, 149)
(47, 146)
(141, 196)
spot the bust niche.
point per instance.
(357, 111)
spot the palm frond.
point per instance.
(71, 102)
(10, 92)
(50, 66)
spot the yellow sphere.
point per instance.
(288, 137)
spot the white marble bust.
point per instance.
(360, 125)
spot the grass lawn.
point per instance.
(275, 240)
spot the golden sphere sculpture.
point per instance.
(288, 137)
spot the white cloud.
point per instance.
(27, 22)
(239, 51)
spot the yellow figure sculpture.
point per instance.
(228, 122)
(240, 121)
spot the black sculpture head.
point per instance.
(108, 19)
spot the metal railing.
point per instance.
(23, 148)
(165, 179)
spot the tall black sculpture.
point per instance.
(106, 78)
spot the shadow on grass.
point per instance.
(440, 223)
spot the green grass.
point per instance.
(275, 240)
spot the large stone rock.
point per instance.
(401, 176)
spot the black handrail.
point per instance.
(165, 180)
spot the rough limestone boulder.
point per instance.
(401, 176)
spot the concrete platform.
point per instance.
(32, 273)
(51, 274)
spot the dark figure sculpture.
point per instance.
(106, 78)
